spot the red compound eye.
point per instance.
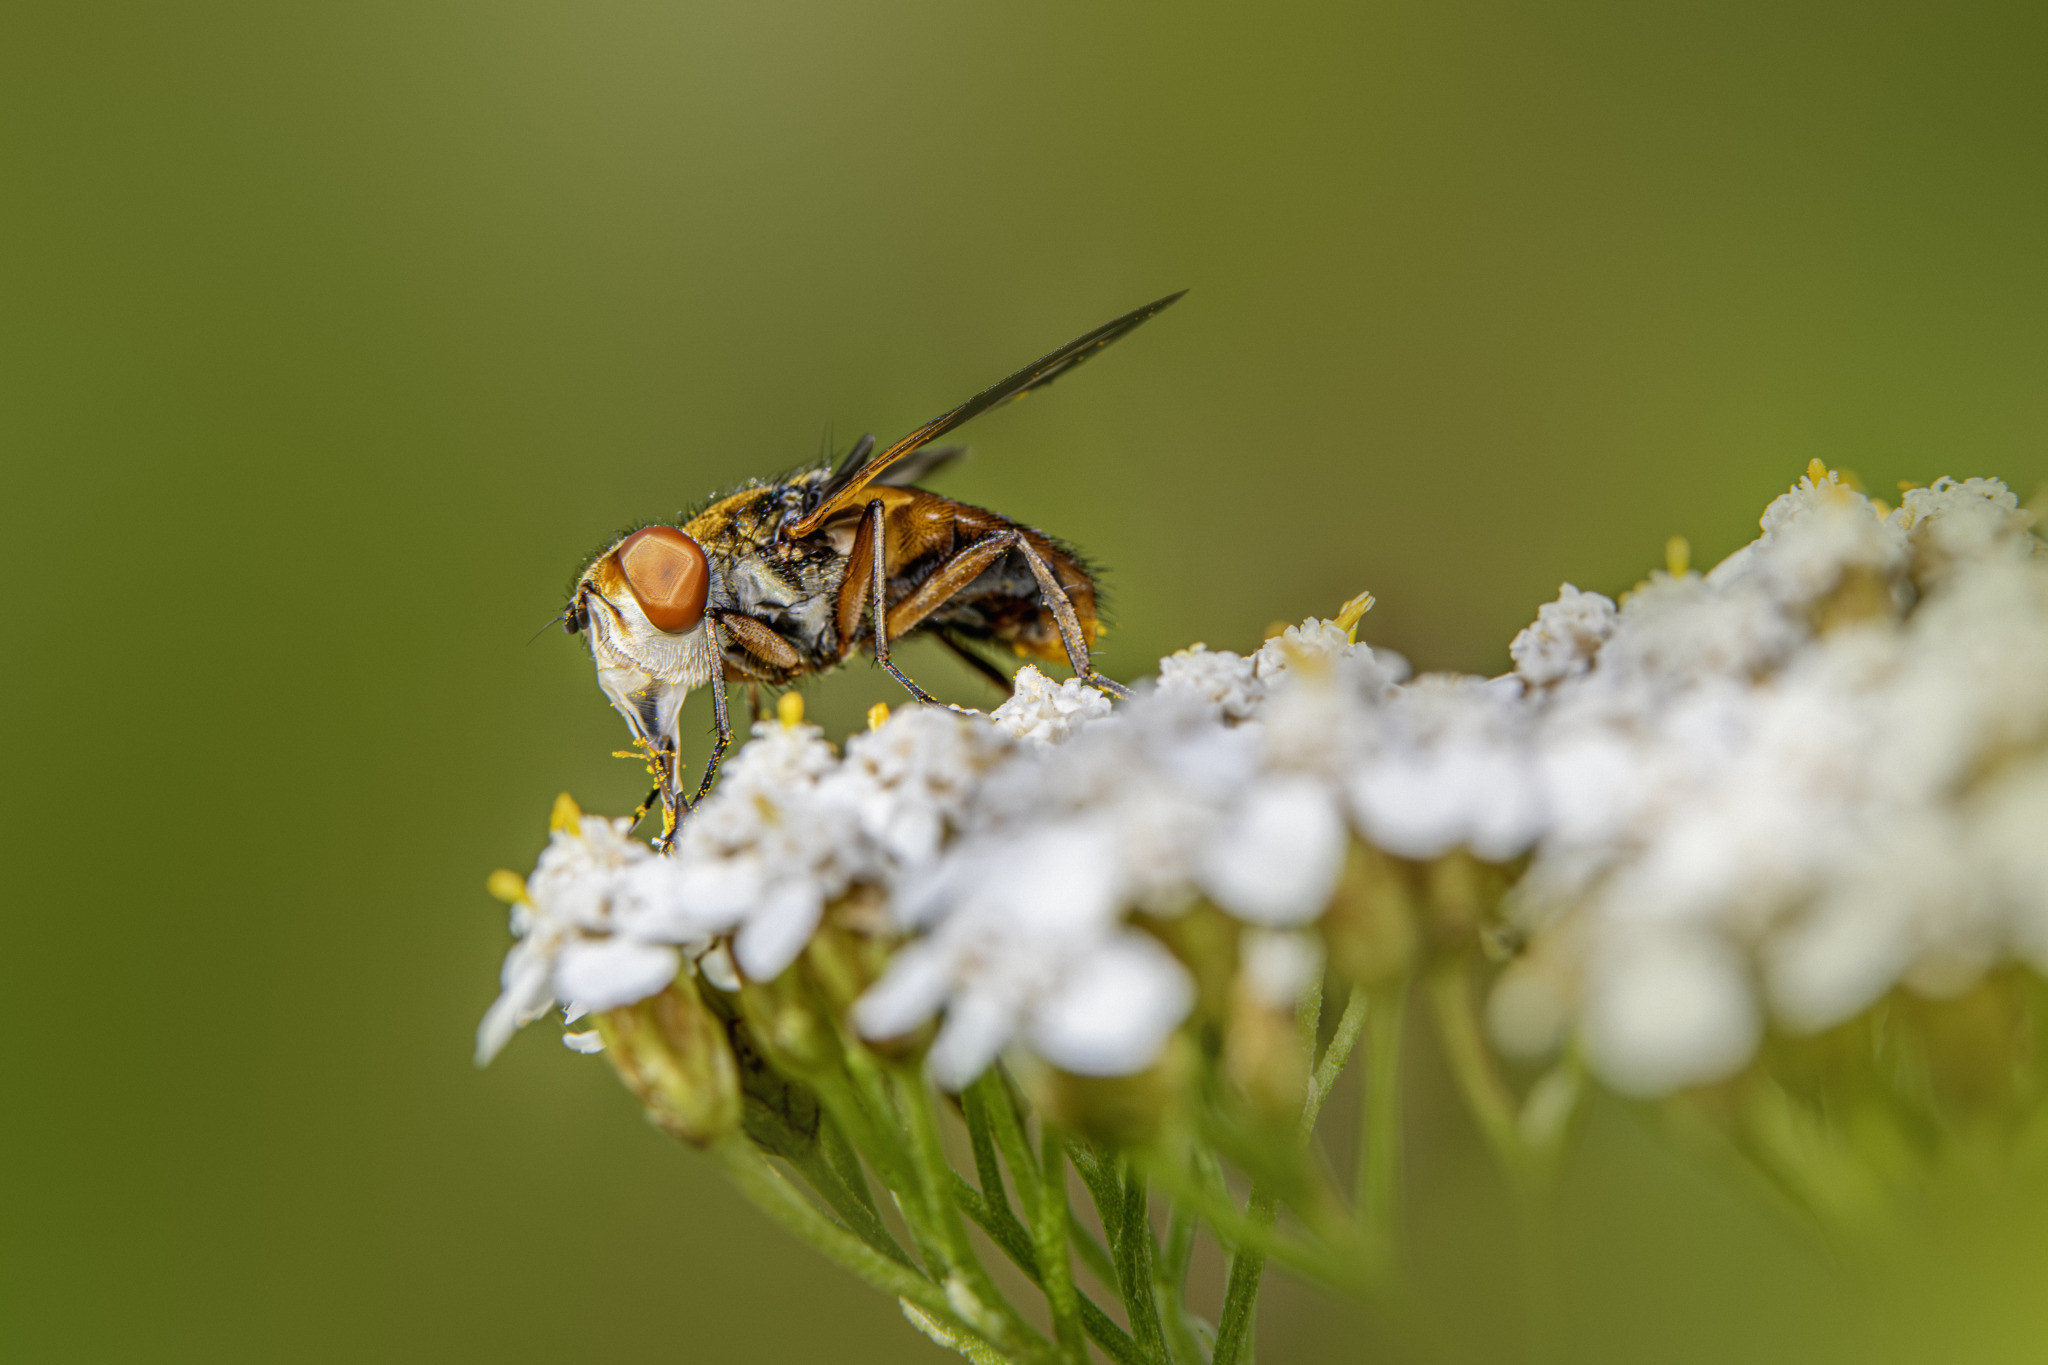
(668, 575)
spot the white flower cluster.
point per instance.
(791, 827)
(1778, 790)
(594, 929)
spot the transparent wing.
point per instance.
(1036, 375)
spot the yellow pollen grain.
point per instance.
(508, 887)
(1677, 556)
(567, 815)
(1816, 471)
(789, 709)
(878, 715)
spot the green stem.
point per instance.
(1135, 1252)
(845, 1162)
(1093, 1254)
(1238, 1231)
(1334, 1058)
(1049, 1237)
(1003, 1324)
(1241, 1293)
(869, 1094)
(1379, 1131)
(857, 1213)
(1308, 1016)
(1113, 1205)
(1103, 1191)
(1011, 1240)
(768, 1191)
(876, 1133)
(1456, 1009)
(974, 1103)
(1169, 1287)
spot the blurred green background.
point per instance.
(333, 335)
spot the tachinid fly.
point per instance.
(783, 579)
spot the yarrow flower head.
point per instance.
(1775, 791)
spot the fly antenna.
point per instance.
(557, 620)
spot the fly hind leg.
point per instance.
(963, 568)
(1064, 617)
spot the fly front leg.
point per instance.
(720, 744)
(640, 811)
(674, 809)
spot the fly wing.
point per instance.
(1033, 376)
(918, 466)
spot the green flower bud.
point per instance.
(673, 1053)
(784, 1018)
(1115, 1111)
(1370, 925)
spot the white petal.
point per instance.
(608, 973)
(977, 1027)
(1277, 862)
(1115, 1011)
(1837, 960)
(909, 993)
(1668, 1010)
(778, 930)
(525, 997)
(586, 1043)
(500, 1022)
(1278, 968)
(714, 894)
(718, 969)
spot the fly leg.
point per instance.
(673, 817)
(976, 662)
(878, 606)
(640, 811)
(956, 573)
(721, 744)
(1070, 625)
